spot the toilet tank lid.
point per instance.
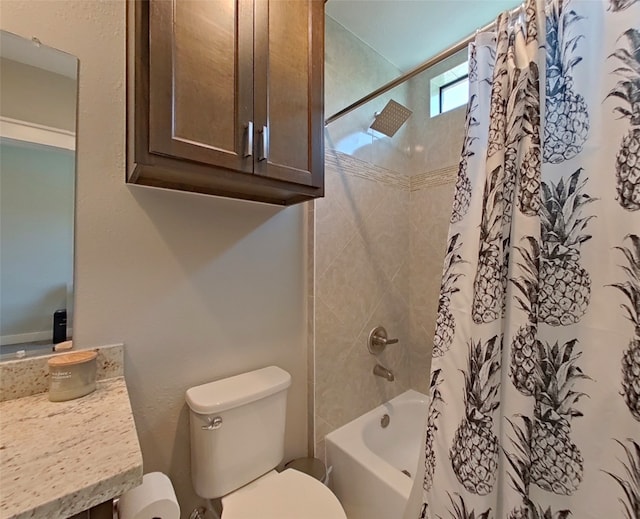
(227, 393)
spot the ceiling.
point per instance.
(408, 32)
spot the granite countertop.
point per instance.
(60, 458)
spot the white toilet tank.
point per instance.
(237, 429)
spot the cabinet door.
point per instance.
(289, 96)
(201, 81)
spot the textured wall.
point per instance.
(196, 287)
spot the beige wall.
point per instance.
(196, 287)
(27, 94)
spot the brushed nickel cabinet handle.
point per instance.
(248, 147)
(263, 154)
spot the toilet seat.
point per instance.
(286, 495)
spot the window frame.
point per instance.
(442, 88)
(448, 74)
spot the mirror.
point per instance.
(38, 101)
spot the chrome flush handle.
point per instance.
(215, 422)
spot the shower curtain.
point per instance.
(535, 381)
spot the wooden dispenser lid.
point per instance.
(69, 359)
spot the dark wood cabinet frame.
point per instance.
(166, 163)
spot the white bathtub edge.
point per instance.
(347, 443)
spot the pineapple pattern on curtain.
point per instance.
(535, 381)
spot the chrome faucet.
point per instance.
(381, 371)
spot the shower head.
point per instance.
(392, 117)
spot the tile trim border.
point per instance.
(436, 177)
(341, 162)
(337, 161)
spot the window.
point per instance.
(454, 94)
(450, 89)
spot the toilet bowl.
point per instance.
(286, 495)
(237, 440)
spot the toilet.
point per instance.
(237, 440)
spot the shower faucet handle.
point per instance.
(381, 340)
(378, 340)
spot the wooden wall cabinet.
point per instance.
(225, 97)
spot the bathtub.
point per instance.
(373, 468)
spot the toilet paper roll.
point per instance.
(154, 498)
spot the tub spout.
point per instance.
(381, 371)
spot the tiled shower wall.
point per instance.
(429, 209)
(362, 281)
(380, 240)
(435, 156)
(380, 237)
